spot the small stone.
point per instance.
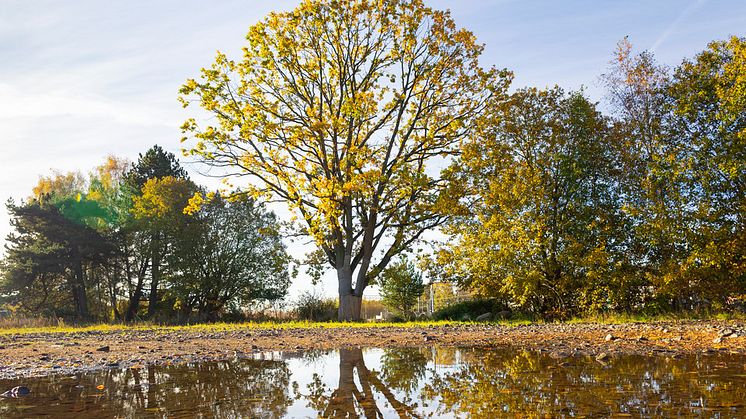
(103, 349)
(726, 332)
(18, 391)
(484, 317)
(502, 315)
(642, 339)
(609, 337)
(717, 340)
(429, 338)
(665, 330)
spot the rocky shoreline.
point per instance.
(39, 354)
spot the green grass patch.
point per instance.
(220, 327)
(618, 318)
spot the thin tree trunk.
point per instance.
(113, 293)
(134, 303)
(155, 269)
(79, 292)
(136, 295)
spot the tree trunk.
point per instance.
(136, 295)
(79, 293)
(349, 308)
(156, 276)
(350, 300)
(342, 401)
(112, 285)
(134, 304)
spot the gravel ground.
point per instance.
(37, 354)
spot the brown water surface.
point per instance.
(409, 382)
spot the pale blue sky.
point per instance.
(83, 79)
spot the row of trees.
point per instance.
(567, 210)
(118, 244)
(345, 111)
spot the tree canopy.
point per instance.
(338, 110)
(233, 255)
(401, 287)
(563, 210)
(86, 247)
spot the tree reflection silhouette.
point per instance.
(413, 382)
(239, 388)
(511, 381)
(350, 400)
(402, 369)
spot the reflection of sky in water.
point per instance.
(444, 382)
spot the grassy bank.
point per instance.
(214, 327)
(10, 327)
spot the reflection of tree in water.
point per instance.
(402, 369)
(257, 388)
(351, 400)
(471, 382)
(512, 382)
(244, 388)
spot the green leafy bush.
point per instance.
(470, 310)
(313, 307)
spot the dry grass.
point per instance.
(18, 322)
(621, 318)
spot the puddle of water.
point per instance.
(412, 382)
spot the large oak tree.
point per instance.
(339, 109)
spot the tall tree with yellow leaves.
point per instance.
(338, 109)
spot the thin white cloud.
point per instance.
(18, 102)
(688, 11)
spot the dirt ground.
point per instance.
(35, 354)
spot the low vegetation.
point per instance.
(472, 309)
(219, 326)
(315, 308)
